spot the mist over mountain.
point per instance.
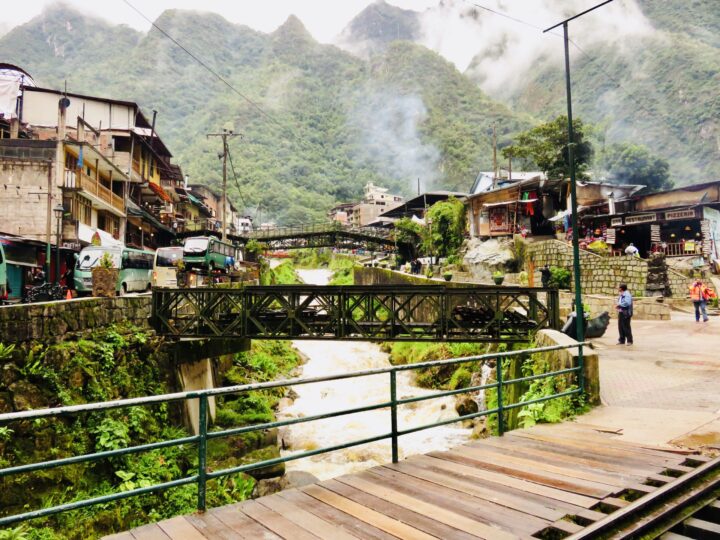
(642, 71)
(391, 110)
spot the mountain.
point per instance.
(378, 25)
(645, 71)
(317, 122)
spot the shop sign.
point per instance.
(640, 218)
(616, 222)
(680, 214)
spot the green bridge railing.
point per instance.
(575, 386)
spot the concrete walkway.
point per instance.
(664, 389)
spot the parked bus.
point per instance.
(3, 277)
(166, 266)
(209, 253)
(135, 267)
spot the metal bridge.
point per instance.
(325, 235)
(363, 313)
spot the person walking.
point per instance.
(545, 276)
(625, 312)
(699, 295)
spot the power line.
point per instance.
(208, 68)
(237, 183)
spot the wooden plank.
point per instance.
(376, 519)
(149, 532)
(537, 505)
(479, 490)
(505, 518)
(567, 431)
(275, 522)
(416, 519)
(180, 528)
(533, 474)
(211, 527)
(598, 447)
(567, 526)
(310, 522)
(614, 501)
(442, 515)
(457, 463)
(528, 448)
(499, 457)
(248, 528)
(618, 453)
(331, 514)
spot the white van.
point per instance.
(165, 266)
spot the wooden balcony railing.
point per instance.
(678, 249)
(79, 180)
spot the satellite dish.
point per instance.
(64, 103)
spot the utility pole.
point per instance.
(223, 213)
(580, 316)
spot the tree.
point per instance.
(546, 146)
(446, 228)
(627, 163)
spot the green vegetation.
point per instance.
(123, 361)
(559, 277)
(634, 164)
(445, 229)
(342, 268)
(545, 146)
(282, 274)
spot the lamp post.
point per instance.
(58, 211)
(580, 316)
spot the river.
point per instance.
(326, 358)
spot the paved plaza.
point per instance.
(664, 389)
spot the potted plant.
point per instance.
(429, 274)
(447, 276)
(498, 277)
(104, 277)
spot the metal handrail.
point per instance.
(204, 435)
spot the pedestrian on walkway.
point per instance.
(699, 294)
(545, 276)
(625, 312)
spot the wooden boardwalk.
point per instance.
(561, 477)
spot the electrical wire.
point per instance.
(237, 183)
(207, 67)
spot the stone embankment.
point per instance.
(51, 322)
(601, 275)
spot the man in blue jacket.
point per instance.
(625, 312)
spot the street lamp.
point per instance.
(580, 316)
(58, 211)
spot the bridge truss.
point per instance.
(362, 313)
(325, 235)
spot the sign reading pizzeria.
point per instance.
(680, 214)
(640, 218)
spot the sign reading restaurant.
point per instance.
(640, 218)
(680, 214)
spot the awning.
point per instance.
(197, 202)
(504, 203)
(86, 233)
(159, 191)
(134, 210)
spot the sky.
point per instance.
(323, 18)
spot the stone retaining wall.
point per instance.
(646, 309)
(51, 322)
(601, 275)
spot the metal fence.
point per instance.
(574, 385)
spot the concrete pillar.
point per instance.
(196, 376)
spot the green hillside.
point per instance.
(335, 121)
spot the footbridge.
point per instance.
(362, 313)
(317, 235)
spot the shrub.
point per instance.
(559, 277)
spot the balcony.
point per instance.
(82, 182)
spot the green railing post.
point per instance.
(202, 452)
(581, 371)
(499, 377)
(393, 415)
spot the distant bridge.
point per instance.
(315, 235)
(362, 313)
(324, 235)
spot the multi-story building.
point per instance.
(376, 200)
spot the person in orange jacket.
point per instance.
(699, 295)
